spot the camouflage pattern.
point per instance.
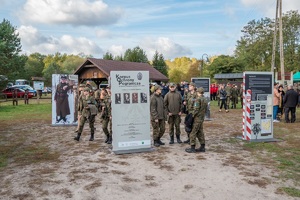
(234, 99)
(228, 90)
(158, 112)
(85, 104)
(158, 128)
(199, 110)
(105, 114)
(190, 99)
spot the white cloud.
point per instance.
(164, 45)
(74, 12)
(34, 41)
(103, 34)
(117, 50)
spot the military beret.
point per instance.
(192, 84)
(172, 84)
(86, 89)
(156, 87)
(201, 90)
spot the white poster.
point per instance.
(63, 102)
(38, 85)
(130, 111)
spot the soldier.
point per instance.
(158, 115)
(173, 104)
(88, 110)
(198, 112)
(228, 90)
(235, 94)
(77, 96)
(189, 102)
(105, 116)
(15, 96)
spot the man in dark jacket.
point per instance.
(290, 102)
(158, 116)
(173, 104)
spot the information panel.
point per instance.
(205, 83)
(258, 106)
(130, 111)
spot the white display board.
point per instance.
(258, 105)
(63, 104)
(38, 85)
(130, 111)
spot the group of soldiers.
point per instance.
(168, 108)
(91, 103)
(171, 107)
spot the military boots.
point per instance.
(156, 143)
(107, 137)
(160, 142)
(201, 148)
(178, 139)
(92, 135)
(109, 140)
(77, 137)
(188, 140)
(191, 150)
(171, 139)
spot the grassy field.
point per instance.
(284, 156)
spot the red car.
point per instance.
(8, 92)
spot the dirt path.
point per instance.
(89, 170)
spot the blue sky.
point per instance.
(175, 28)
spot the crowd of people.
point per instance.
(169, 102)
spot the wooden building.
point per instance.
(98, 70)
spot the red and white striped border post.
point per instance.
(247, 131)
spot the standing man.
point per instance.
(189, 102)
(228, 90)
(15, 96)
(158, 115)
(61, 99)
(199, 110)
(26, 98)
(105, 116)
(87, 110)
(234, 94)
(78, 96)
(290, 102)
(173, 104)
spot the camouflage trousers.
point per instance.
(228, 99)
(174, 120)
(197, 132)
(234, 101)
(158, 128)
(105, 123)
(90, 119)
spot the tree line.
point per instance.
(253, 53)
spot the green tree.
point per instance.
(53, 68)
(12, 64)
(108, 56)
(135, 55)
(71, 63)
(225, 64)
(34, 66)
(158, 62)
(55, 65)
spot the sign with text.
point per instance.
(258, 105)
(38, 85)
(130, 103)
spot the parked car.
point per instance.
(8, 92)
(25, 87)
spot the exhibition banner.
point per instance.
(64, 108)
(130, 102)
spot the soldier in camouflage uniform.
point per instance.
(173, 104)
(234, 94)
(228, 90)
(189, 102)
(198, 112)
(105, 116)
(77, 95)
(158, 115)
(88, 110)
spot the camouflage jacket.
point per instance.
(87, 106)
(105, 107)
(190, 100)
(199, 108)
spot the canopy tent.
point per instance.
(296, 77)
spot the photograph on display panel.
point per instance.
(64, 98)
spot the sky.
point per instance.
(174, 28)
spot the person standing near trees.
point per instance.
(173, 104)
(15, 96)
(290, 102)
(228, 90)
(61, 99)
(158, 115)
(198, 112)
(88, 110)
(223, 96)
(26, 98)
